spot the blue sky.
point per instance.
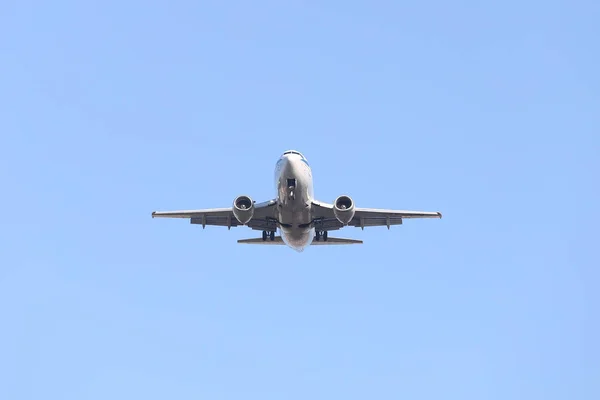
(486, 112)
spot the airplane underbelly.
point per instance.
(297, 238)
(294, 206)
(290, 217)
(294, 187)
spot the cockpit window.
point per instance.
(297, 153)
(293, 152)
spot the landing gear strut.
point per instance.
(270, 235)
(321, 235)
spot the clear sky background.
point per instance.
(487, 112)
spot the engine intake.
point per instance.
(243, 209)
(343, 209)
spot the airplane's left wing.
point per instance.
(366, 217)
(261, 220)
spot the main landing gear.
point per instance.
(321, 235)
(268, 235)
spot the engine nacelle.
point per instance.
(243, 209)
(343, 209)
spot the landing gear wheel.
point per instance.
(321, 235)
(264, 236)
(272, 236)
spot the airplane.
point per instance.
(301, 219)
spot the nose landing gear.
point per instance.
(291, 184)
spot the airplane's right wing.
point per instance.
(366, 217)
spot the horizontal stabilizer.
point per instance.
(331, 241)
(278, 241)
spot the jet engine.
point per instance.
(243, 209)
(343, 208)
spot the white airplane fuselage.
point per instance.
(294, 185)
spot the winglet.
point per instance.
(439, 214)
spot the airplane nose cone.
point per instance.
(288, 167)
